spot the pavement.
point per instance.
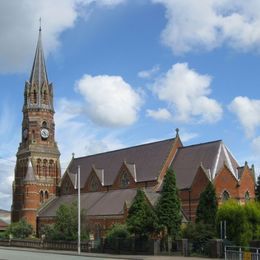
(13, 253)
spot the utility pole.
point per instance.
(79, 210)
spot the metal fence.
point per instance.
(242, 253)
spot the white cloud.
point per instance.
(110, 101)
(19, 27)
(187, 92)
(248, 113)
(211, 24)
(160, 114)
(146, 74)
(187, 136)
(77, 135)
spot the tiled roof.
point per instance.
(211, 156)
(145, 161)
(95, 203)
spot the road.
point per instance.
(34, 254)
(7, 254)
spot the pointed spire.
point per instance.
(39, 74)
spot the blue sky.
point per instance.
(129, 72)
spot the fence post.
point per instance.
(225, 252)
(240, 253)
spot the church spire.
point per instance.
(39, 73)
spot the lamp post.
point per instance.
(79, 209)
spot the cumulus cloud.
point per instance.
(211, 24)
(248, 113)
(110, 101)
(78, 135)
(159, 114)
(146, 74)
(19, 30)
(186, 92)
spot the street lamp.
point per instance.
(78, 209)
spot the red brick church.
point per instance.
(109, 180)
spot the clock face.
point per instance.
(44, 133)
(25, 133)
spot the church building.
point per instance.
(109, 180)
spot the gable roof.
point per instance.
(148, 160)
(95, 203)
(211, 156)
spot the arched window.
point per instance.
(124, 180)
(34, 96)
(41, 197)
(27, 191)
(225, 196)
(38, 167)
(51, 168)
(44, 97)
(66, 187)
(44, 168)
(94, 184)
(44, 124)
(46, 195)
(247, 197)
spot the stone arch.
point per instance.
(51, 168)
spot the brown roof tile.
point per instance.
(147, 158)
(211, 156)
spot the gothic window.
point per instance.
(44, 97)
(225, 196)
(247, 197)
(124, 182)
(46, 195)
(41, 197)
(44, 124)
(51, 168)
(44, 168)
(34, 96)
(33, 135)
(27, 191)
(94, 184)
(38, 167)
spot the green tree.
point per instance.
(21, 229)
(168, 208)
(252, 211)
(237, 225)
(257, 189)
(66, 224)
(141, 220)
(208, 206)
(118, 231)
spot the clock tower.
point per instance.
(37, 170)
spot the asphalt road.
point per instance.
(7, 254)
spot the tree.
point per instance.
(237, 225)
(168, 208)
(118, 231)
(141, 219)
(21, 229)
(252, 211)
(66, 224)
(208, 206)
(257, 189)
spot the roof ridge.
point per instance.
(126, 148)
(210, 142)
